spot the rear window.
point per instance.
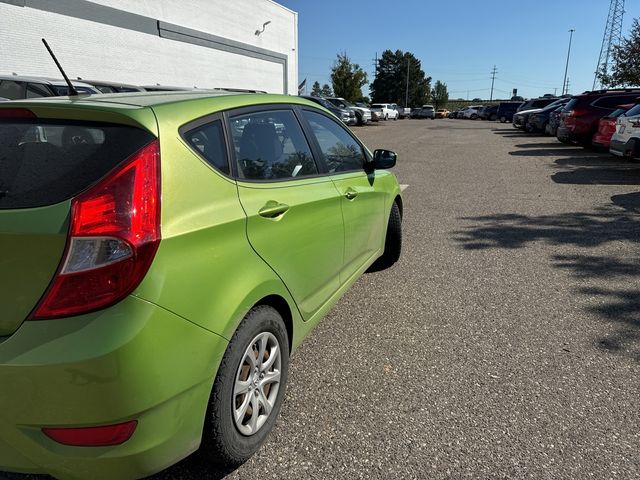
(43, 162)
(633, 111)
(571, 105)
(376, 105)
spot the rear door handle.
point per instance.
(273, 209)
(350, 193)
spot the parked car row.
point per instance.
(602, 119)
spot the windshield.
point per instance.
(63, 90)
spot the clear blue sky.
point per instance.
(459, 41)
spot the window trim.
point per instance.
(227, 114)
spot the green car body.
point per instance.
(152, 357)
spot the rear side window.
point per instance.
(271, 146)
(612, 101)
(341, 152)
(42, 163)
(12, 90)
(208, 140)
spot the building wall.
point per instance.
(203, 43)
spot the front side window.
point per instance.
(341, 152)
(271, 146)
(36, 90)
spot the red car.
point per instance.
(607, 127)
(579, 118)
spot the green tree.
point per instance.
(347, 78)
(625, 69)
(439, 95)
(316, 91)
(326, 91)
(390, 84)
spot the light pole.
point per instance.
(406, 94)
(566, 67)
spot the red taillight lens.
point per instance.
(113, 237)
(11, 113)
(93, 436)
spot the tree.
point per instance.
(347, 78)
(316, 91)
(326, 91)
(439, 95)
(625, 69)
(390, 84)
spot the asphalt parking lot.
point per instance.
(504, 344)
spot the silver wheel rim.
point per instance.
(257, 383)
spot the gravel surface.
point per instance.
(506, 341)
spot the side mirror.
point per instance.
(383, 159)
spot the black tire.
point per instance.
(493, 117)
(359, 121)
(223, 445)
(503, 119)
(392, 243)
(395, 118)
(386, 117)
(474, 116)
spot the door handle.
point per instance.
(273, 209)
(350, 193)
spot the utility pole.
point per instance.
(375, 66)
(566, 67)
(493, 79)
(566, 86)
(555, 91)
(406, 95)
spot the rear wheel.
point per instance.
(248, 389)
(503, 119)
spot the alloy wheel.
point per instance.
(257, 383)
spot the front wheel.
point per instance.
(503, 119)
(248, 389)
(392, 243)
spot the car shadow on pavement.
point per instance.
(553, 152)
(614, 223)
(596, 169)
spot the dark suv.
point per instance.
(506, 110)
(579, 118)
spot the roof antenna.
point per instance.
(72, 90)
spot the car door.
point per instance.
(362, 203)
(294, 218)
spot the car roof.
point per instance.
(152, 99)
(26, 78)
(103, 83)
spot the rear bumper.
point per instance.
(630, 149)
(132, 361)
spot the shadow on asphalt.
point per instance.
(611, 223)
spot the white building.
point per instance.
(250, 44)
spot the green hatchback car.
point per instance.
(162, 255)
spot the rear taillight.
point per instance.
(113, 236)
